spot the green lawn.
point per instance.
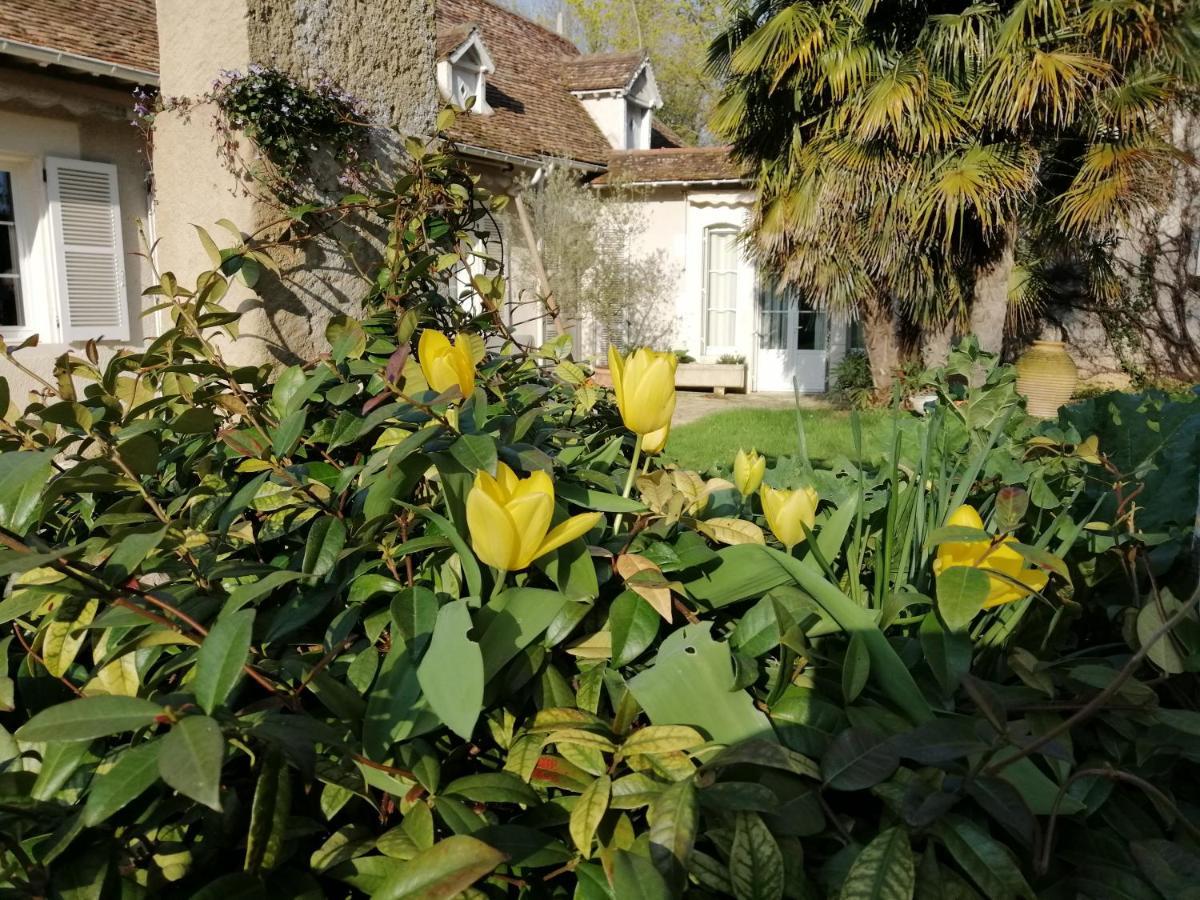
(711, 442)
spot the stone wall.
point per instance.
(1157, 330)
(380, 52)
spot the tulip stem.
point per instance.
(633, 466)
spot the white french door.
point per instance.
(793, 343)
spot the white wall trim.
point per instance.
(48, 56)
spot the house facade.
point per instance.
(532, 101)
(74, 184)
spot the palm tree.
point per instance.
(925, 162)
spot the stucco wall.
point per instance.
(76, 118)
(380, 52)
(1159, 257)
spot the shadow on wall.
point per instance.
(1153, 328)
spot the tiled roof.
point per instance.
(603, 71)
(119, 32)
(533, 112)
(450, 39)
(695, 164)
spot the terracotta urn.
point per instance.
(1046, 376)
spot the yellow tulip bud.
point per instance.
(509, 519)
(990, 556)
(655, 441)
(645, 387)
(748, 471)
(789, 513)
(446, 365)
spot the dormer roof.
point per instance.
(533, 98)
(456, 43)
(605, 71)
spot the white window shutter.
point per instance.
(85, 215)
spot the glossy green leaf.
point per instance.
(512, 621)
(121, 781)
(884, 870)
(190, 759)
(268, 815)
(23, 476)
(755, 860)
(689, 684)
(89, 718)
(858, 759)
(451, 672)
(326, 538)
(634, 625)
(445, 870)
(961, 593)
(587, 812)
(221, 657)
(674, 816)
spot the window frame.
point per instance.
(34, 264)
(710, 232)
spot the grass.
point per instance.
(711, 442)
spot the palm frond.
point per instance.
(791, 38)
(1031, 85)
(1115, 181)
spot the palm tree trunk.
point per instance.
(881, 331)
(936, 341)
(989, 308)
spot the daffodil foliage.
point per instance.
(904, 150)
(416, 619)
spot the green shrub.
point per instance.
(853, 385)
(253, 651)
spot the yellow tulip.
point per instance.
(655, 441)
(789, 513)
(509, 519)
(748, 471)
(990, 557)
(645, 387)
(446, 365)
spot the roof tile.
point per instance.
(120, 32)
(691, 164)
(603, 71)
(533, 114)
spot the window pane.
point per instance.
(810, 331)
(6, 201)
(720, 294)
(773, 318)
(721, 328)
(8, 250)
(10, 301)
(10, 281)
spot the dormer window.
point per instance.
(463, 71)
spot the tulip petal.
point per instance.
(966, 517)
(531, 514)
(494, 536)
(616, 368)
(507, 479)
(565, 532)
(489, 485)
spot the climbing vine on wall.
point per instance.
(304, 135)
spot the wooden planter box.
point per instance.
(716, 377)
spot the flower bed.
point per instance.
(420, 618)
